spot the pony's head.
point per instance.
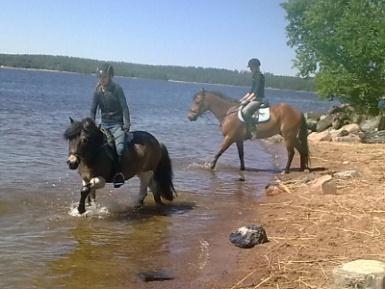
(199, 105)
(83, 137)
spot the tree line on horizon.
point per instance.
(162, 72)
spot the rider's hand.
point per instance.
(126, 127)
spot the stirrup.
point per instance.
(118, 180)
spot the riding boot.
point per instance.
(251, 129)
(118, 178)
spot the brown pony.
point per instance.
(285, 120)
(145, 157)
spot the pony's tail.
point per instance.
(163, 175)
(302, 144)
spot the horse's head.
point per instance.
(83, 136)
(199, 106)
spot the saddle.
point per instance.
(261, 115)
(109, 143)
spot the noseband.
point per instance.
(199, 112)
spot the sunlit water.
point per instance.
(44, 243)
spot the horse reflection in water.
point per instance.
(285, 120)
(145, 157)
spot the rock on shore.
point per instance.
(344, 124)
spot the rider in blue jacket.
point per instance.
(110, 99)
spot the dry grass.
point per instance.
(311, 234)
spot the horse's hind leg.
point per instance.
(241, 154)
(154, 189)
(302, 156)
(290, 142)
(91, 197)
(145, 178)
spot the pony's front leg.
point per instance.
(225, 145)
(89, 190)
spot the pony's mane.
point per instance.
(219, 94)
(77, 126)
(73, 130)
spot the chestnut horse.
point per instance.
(285, 120)
(145, 157)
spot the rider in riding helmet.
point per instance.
(253, 99)
(115, 116)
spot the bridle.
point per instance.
(199, 112)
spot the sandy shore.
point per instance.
(311, 233)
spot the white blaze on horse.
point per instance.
(145, 157)
(283, 119)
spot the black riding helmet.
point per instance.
(106, 68)
(253, 62)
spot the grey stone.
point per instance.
(347, 174)
(311, 124)
(374, 137)
(313, 115)
(248, 236)
(363, 274)
(371, 124)
(324, 123)
(381, 123)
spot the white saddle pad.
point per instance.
(261, 115)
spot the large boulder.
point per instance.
(320, 136)
(350, 138)
(312, 119)
(248, 236)
(348, 133)
(365, 274)
(374, 137)
(324, 123)
(381, 123)
(370, 124)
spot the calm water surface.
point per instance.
(42, 245)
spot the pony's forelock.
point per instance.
(73, 130)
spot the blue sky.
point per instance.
(211, 33)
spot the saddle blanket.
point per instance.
(260, 116)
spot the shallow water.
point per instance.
(45, 244)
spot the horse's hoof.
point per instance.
(81, 209)
(138, 205)
(242, 168)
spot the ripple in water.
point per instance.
(95, 210)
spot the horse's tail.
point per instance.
(302, 143)
(163, 175)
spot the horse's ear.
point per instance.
(71, 120)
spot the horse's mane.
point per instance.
(77, 126)
(219, 94)
(73, 130)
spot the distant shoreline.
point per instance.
(170, 80)
(190, 74)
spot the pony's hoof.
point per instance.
(212, 167)
(81, 209)
(138, 205)
(243, 168)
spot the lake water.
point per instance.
(42, 245)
